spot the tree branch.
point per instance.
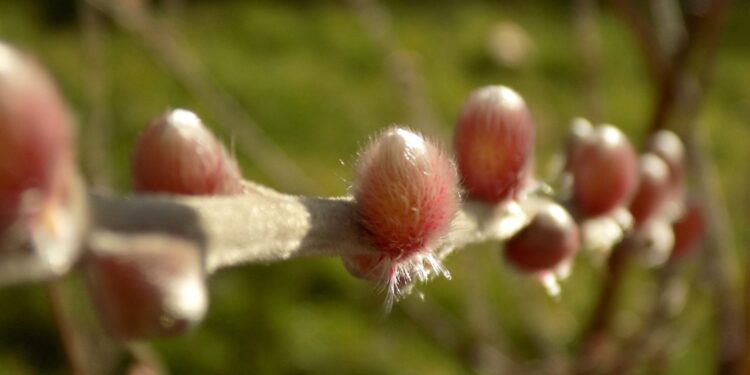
(264, 226)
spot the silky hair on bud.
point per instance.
(406, 193)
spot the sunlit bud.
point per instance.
(550, 238)
(407, 195)
(36, 148)
(146, 286)
(580, 131)
(406, 192)
(653, 189)
(177, 154)
(604, 167)
(494, 141)
(668, 146)
(655, 241)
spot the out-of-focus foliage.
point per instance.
(316, 83)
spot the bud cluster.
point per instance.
(406, 193)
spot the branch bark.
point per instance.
(264, 226)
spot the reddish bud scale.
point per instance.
(36, 149)
(405, 191)
(550, 238)
(176, 154)
(150, 288)
(653, 189)
(605, 172)
(689, 230)
(494, 141)
(366, 267)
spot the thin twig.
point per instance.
(656, 64)
(715, 260)
(75, 352)
(645, 340)
(440, 327)
(596, 332)
(706, 26)
(585, 14)
(400, 64)
(96, 80)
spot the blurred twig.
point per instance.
(476, 354)
(645, 37)
(75, 349)
(650, 336)
(595, 334)
(715, 260)
(671, 31)
(705, 27)
(672, 98)
(400, 64)
(188, 70)
(585, 18)
(96, 84)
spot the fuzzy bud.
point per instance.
(405, 191)
(550, 238)
(146, 286)
(177, 154)
(36, 150)
(494, 141)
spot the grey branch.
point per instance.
(264, 226)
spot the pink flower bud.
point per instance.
(406, 198)
(549, 239)
(653, 189)
(494, 142)
(147, 286)
(176, 154)
(36, 150)
(405, 191)
(604, 167)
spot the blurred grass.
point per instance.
(314, 81)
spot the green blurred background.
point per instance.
(312, 77)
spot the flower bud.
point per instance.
(405, 191)
(406, 194)
(653, 189)
(605, 172)
(655, 240)
(36, 150)
(177, 154)
(580, 131)
(550, 238)
(668, 146)
(494, 141)
(146, 286)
